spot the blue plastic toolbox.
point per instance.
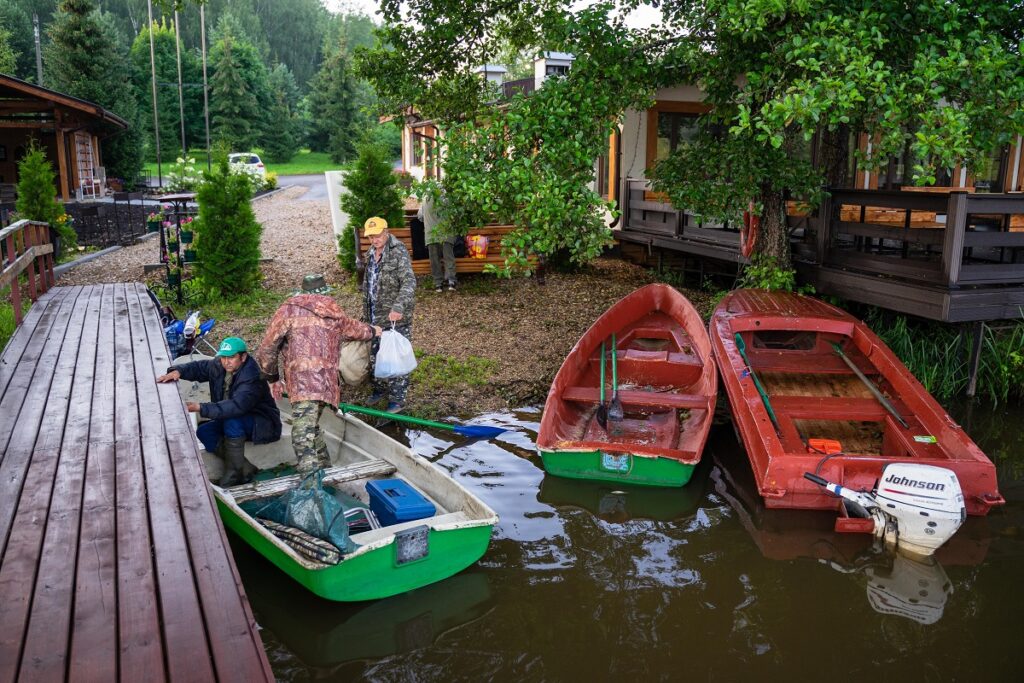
(394, 501)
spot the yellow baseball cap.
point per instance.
(374, 226)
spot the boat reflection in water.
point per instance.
(906, 586)
(616, 502)
(325, 635)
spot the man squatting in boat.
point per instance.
(240, 409)
(306, 333)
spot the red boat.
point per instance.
(667, 386)
(814, 390)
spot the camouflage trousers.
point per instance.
(395, 388)
(307, 439)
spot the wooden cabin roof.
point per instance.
(19, 103)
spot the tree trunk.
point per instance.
(834, 155)
(773, 241)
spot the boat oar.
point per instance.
(871, 386)
(474, 431)
(741, 346)
(602, 409)
(615, 411)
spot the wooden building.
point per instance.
(68, 128)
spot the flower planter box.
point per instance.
(186, 236)
(152, 226)
(190, 255)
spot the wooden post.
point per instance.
(824, 227)
(62, 165)
(972, 380)
(953, 243)
(30, 272)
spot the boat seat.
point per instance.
(653, 399)
(828, 408)
(332, 476)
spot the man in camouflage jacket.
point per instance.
(389, 296)
(307, 331)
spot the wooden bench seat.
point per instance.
(494, 234)
(332, 476)
(653, 399)
(828, 408)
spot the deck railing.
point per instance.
(945, 240)
(25, 248)
(648, 212)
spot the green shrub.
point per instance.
(37, 196)
(227, 234)
(372, 190)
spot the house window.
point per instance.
(556, 70)
(674, 128)
(990, 171)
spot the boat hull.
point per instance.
(627, 468)
(370, 574)
(667, 386)
(789, 343)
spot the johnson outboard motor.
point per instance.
(916, 508)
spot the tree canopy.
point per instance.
(943, 80)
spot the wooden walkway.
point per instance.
(113, 561)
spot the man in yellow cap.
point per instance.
(389, 296)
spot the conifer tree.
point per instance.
(227, 233)
(372, 190)
(82, 60)
(37, 194)
(334, 108)
(15, 21)
(240, 96)
(8, 57)
(280, 140)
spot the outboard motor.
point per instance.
(916, 508)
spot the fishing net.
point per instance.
(313, 509)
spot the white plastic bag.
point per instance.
(395, 356)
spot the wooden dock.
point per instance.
(113, 561)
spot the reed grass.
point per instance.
(939, 355)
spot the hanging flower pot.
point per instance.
(172, 246)
(152, 226)
(173, 279)
(190, 255)
(186, 236)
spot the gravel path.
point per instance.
(296, 235)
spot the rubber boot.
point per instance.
(237, 470)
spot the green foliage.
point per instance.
(337, 122)
(183, 175)
(372, 190)
(37, 194)
(7, 325)
(444, 373)
(280, 140)
(8, 55)
(227, 234)
(16, 23)
(938, 355)
(240, 96)
(944, 78)
(84, 59)
(764, 272)
(168, 109)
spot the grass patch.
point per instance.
(939, 356)
(304, 162)
(444, 373)
(7, 318)
(246, 316)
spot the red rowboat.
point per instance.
(806, 355)
(667, 385)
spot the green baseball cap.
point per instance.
(232, 346)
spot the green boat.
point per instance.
(387, 560)
(648, 426)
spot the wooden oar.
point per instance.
(475, 431)
(615, 411)
(602, 409)
(741, 346)
(871, 386)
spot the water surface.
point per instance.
(599, 582)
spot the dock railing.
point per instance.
(25, 248)
(948, 240)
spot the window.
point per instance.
(990, 171)
(556, 70)
(674, 128)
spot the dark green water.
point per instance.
(593, 582)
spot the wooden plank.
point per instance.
(932, 236)
(94, 625)
(953, 246)
(40, 316)
(653, 399)
(828, 408)
(994, 273)
(995, 203)
(890, 199)
(140, 645)
(994, 239)
(26, 476)
(236, 647)
(898, 267)
(332, 475)
(62, 164)
(46, 643)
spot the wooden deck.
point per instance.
(113, 561)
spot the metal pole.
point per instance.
(156, 115)
(39, 52)
(181, 98)
(206, 96)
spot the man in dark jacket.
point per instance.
(241, 408)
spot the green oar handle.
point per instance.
(602, 373)
(615, 365)
(349, 408)
(742, 348)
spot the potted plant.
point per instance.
(173, 271)
(153, 221)
(187, 235)
(190, 255)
